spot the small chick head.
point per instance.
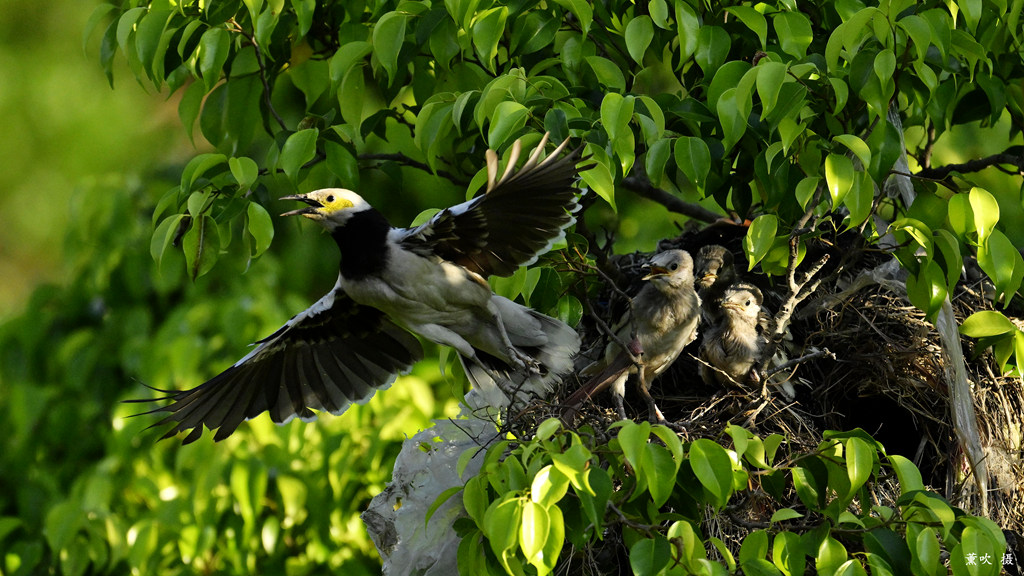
(714, 263)
(329, 206)
(671, 268)
(743, 301)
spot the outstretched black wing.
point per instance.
(333, 354)
(519, 216)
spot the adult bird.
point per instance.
(714, 272)
(732, 346)
(661, 321)
(428, 280)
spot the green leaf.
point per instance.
(388, 37)
(860, 199)
(688, 29)
(760, 237)
(770, 77)
(838, 177)
(260, 226)
(639, 33)
(859, 148)
(342, 163)
(214, 48)
(927, 289)
(788, 554)
(487, 31)
(924, 553)
(753, 20)
(860, 461)
(831, 555)
(570, 309)
(986, 323)
(885, 66)
(439, 501)
(197, 167)
(299, 149)
(599, 178)
(986, 212)
(632, 438)
(508, 118)
(794, 32)
(607, 72)
(713, 468)
(533, 532)
(583, 11)
(649, 556)
(784, 514)
(245, 171)
(660, 471)
(201, 245)
(908, 474)
(502, 524)
(732, 114)
(164, 235)
(694, 159)
(886, 145)
(616, 112)
(657, 158)
(1001, 260)
(548, 486)
(713, 45)
(805, 190)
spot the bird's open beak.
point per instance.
(311, 210)
(655, 271)
(709, 279)
(732, 306)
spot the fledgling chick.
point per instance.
(732, 346)
(663, 317)
(714, 273)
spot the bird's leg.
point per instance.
(618, 392)
(517, 358)
(653, 413)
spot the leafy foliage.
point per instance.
(533, 496)
(770, 110)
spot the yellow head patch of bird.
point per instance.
(324, 202)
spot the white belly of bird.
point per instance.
(429, 297)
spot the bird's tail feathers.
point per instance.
(502, 384)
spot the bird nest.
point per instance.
(887, 376)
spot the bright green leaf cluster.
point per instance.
(533, 497)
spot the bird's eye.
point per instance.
(748, 303)
(330, 198)
(673, 266)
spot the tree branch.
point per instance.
(251, 38)
(406, 161)
(1015, 159)
(642, 187)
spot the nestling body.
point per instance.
(732, 346)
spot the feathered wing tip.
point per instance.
(325, 359)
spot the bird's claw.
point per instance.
(523, 361)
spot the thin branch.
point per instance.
(941, 173)
(406, 161)
(824, 352)
(251, 38)
(642, 187)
